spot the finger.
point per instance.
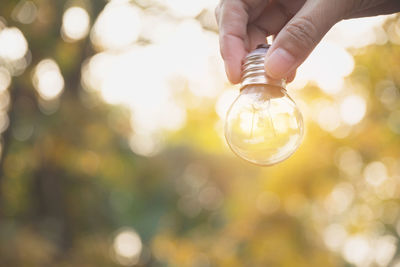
(271, 21)
(291, 77)
(390, 7)
(232, 21)
(300, 36)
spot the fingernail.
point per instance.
(279, 63)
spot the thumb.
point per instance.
(300, 36)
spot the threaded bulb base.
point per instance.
(253, 69)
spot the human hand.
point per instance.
(298, 24)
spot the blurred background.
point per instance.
(112, 147)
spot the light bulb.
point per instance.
(263, 125)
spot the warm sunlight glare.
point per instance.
(357, 250)
(5, 79)
(353, 109)
(349, 161)
(75, 24)
(375, 173)
(13, 45)
(334, 236)
(117, 26)
(48, 79)
(184, 8)
(127, 247)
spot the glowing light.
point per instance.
(25, 12)
(145, 145)
(5, 79)
(340, 198)
(375, 173)
(183, 8)
(48, 80)
(203, 69)
(130, 78)
(357, 33)
(385, 249)
(328, 118)
(4, 100)
(13, 45)
(224, 101)
(356, 250)
(353, 109)
(174, 119)
(95, 70)
(331, 78)
(349, 161)
(75, 24)
(4, 121)
(127, 247)
(117, 26)
(334, 236)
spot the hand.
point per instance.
(298, 24)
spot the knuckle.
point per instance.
(303, 31)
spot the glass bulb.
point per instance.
(263, 125)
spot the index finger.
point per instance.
(232, 21)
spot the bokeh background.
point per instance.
(112, 147)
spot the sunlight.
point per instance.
(385, 249)
(331, 53)
(145, 145)
(353, 109)
(357, 250)
(349, 161)
(224, 101)
(117, 26)
(340, 198)
(13, 45)
(184, 8)
(375, 173)
(357, 33)
(337, 62)
(328, 118)
(75, 24)
(127, 247)
(334, 236)
(326, 114)
(48, 79)
(5, 79)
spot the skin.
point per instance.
(298, 26)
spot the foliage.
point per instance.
(69, 180)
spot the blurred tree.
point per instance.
(70, 184)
